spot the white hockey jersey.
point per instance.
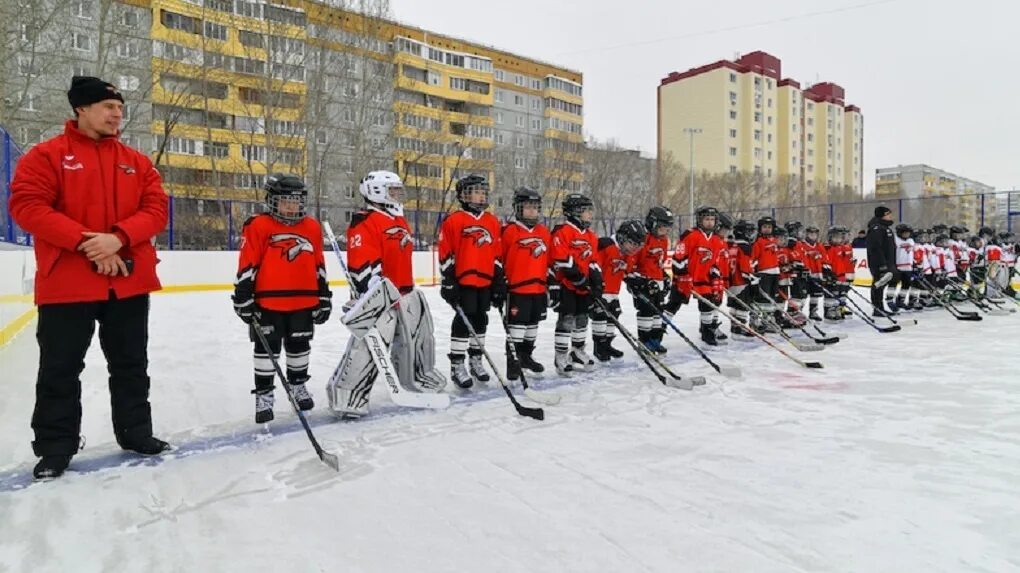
(904, 254)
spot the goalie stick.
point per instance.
(756, 334)
(327, 458)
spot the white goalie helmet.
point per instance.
(385, 189)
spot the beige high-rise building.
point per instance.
(752, 119)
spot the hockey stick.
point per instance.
(999, 304)
(327, 458)
(827, 340)
(840, 336)
(803, 347)
(885, 314)
(378, 350)
(536, 413)
(548, 398)
(727, 371)
(646, 355)
(756, 334)
(948, 306)
(859, 312)
(1004, 295)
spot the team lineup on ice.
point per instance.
(702, 425)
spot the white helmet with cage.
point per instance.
(384, 189)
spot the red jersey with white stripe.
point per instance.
(765, 254)
(573, 253)
(526, 257)
(613, 264)
(285, 262)
(379, 243)
(814, 257)
(650, 261)
(470, 245)
(841, 258)
(993, 253)
(921, 260)
(695, 256)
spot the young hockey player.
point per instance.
(380, 245)
(921, 271)
(795, 277)
(696, 263)
(615, 257)
(816, 263)
(742, 279)
(647, 275)
(841, 257)
(578, 280)
(469, 250)
(787, 270)
(281, 288)
(526, 243)
(996, 274)
(904, 270)
(958, 244)
(1007, 241)
(727, 263)
(765, 257)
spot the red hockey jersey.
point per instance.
(526, 257)
(841, 257)
(650, 261)
(573, 252)
(695, 256)
(469, 248)
(284, 262)
(815, 258)
(379, 243)
(765, 254)
(614, 265)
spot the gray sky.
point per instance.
(938, 81)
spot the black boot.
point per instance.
(613, 352)
(527, 357)
(50, 467)
(150, 446)
(708, 335)
(513, 367)
(601, 351)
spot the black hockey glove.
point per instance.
(554, 297)
(321, 313)
(244, 307)
(450, 291)
(595, 282)
(497, 292)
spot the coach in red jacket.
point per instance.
(93, 206)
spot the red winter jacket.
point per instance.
(71, 184)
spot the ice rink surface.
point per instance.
(903, 454)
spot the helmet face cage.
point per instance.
(378, 188)
(574, 206)
(811, 234)
(658, 218)
(904, 229)
(744, 231)
(703, 213)
(470, 184)
(766, 221)
(795, 229)
(285, 198)
(526, 197)
(630, 233)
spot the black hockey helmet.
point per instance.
(658, 217)
(812, 230)
(704, 212)
(631, 231)
(779, 233)
(986, 233)
(941, 240)
(975, 242)
(744, 230)
(795, 229)
(724, 221)
(766, 221)
(289, 190)
(574, 204)
(1007, 238)
(524, 196)
(940, 229)
(904, 228)
(472, 183)
(837, 231)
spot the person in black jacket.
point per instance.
(881, 256)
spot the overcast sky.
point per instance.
(938, 81)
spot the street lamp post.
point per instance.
(692, 131)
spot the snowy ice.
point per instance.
(903, 454)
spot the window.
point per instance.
(81, 41)
(770, 102)
(769, 138)
(82, 9)
(810, 137)
(519, 141)
(519, 163)
(519, 100)
(757, 116)
(757, 153)
(499, 96)
(757, 135)
(770, 120)
(733, 152)
(215, 31)
(127, 49)
(733, 114)
(519, 121)
(733, 78)
(733, 168)
(536, 124)
(349, 191)
(810, 121)
(128, 18)
(250, 39)
(768, 156)
(27, 66)
(499, 75)
(249, 9)
(733, 98)
(216, 150)
(28, 102)
(733, 133)
(536, 84)
(499, 139)
(768, 84)
(536, 103)
(499, 117)
(518, 80)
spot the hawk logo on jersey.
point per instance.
(584, 246)
(399, 233)
(619, 265)
(292, 245)
(658, 253)
(480, 234)
(536, 244)
(705, 254)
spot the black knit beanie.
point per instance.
(881, 210)
(86, 90)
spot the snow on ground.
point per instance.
(903, 454)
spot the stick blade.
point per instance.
(969, 317)
(888, 329)
(682, 384)
(730, 371)
(827, 341)
(330, 460)
(534, 413)
(546, 398)
(816, 365)
(808, 347)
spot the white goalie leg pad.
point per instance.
(414, 346)
(351, 383)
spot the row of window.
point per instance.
(571, 108)
(521, 121)
(445, 57)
